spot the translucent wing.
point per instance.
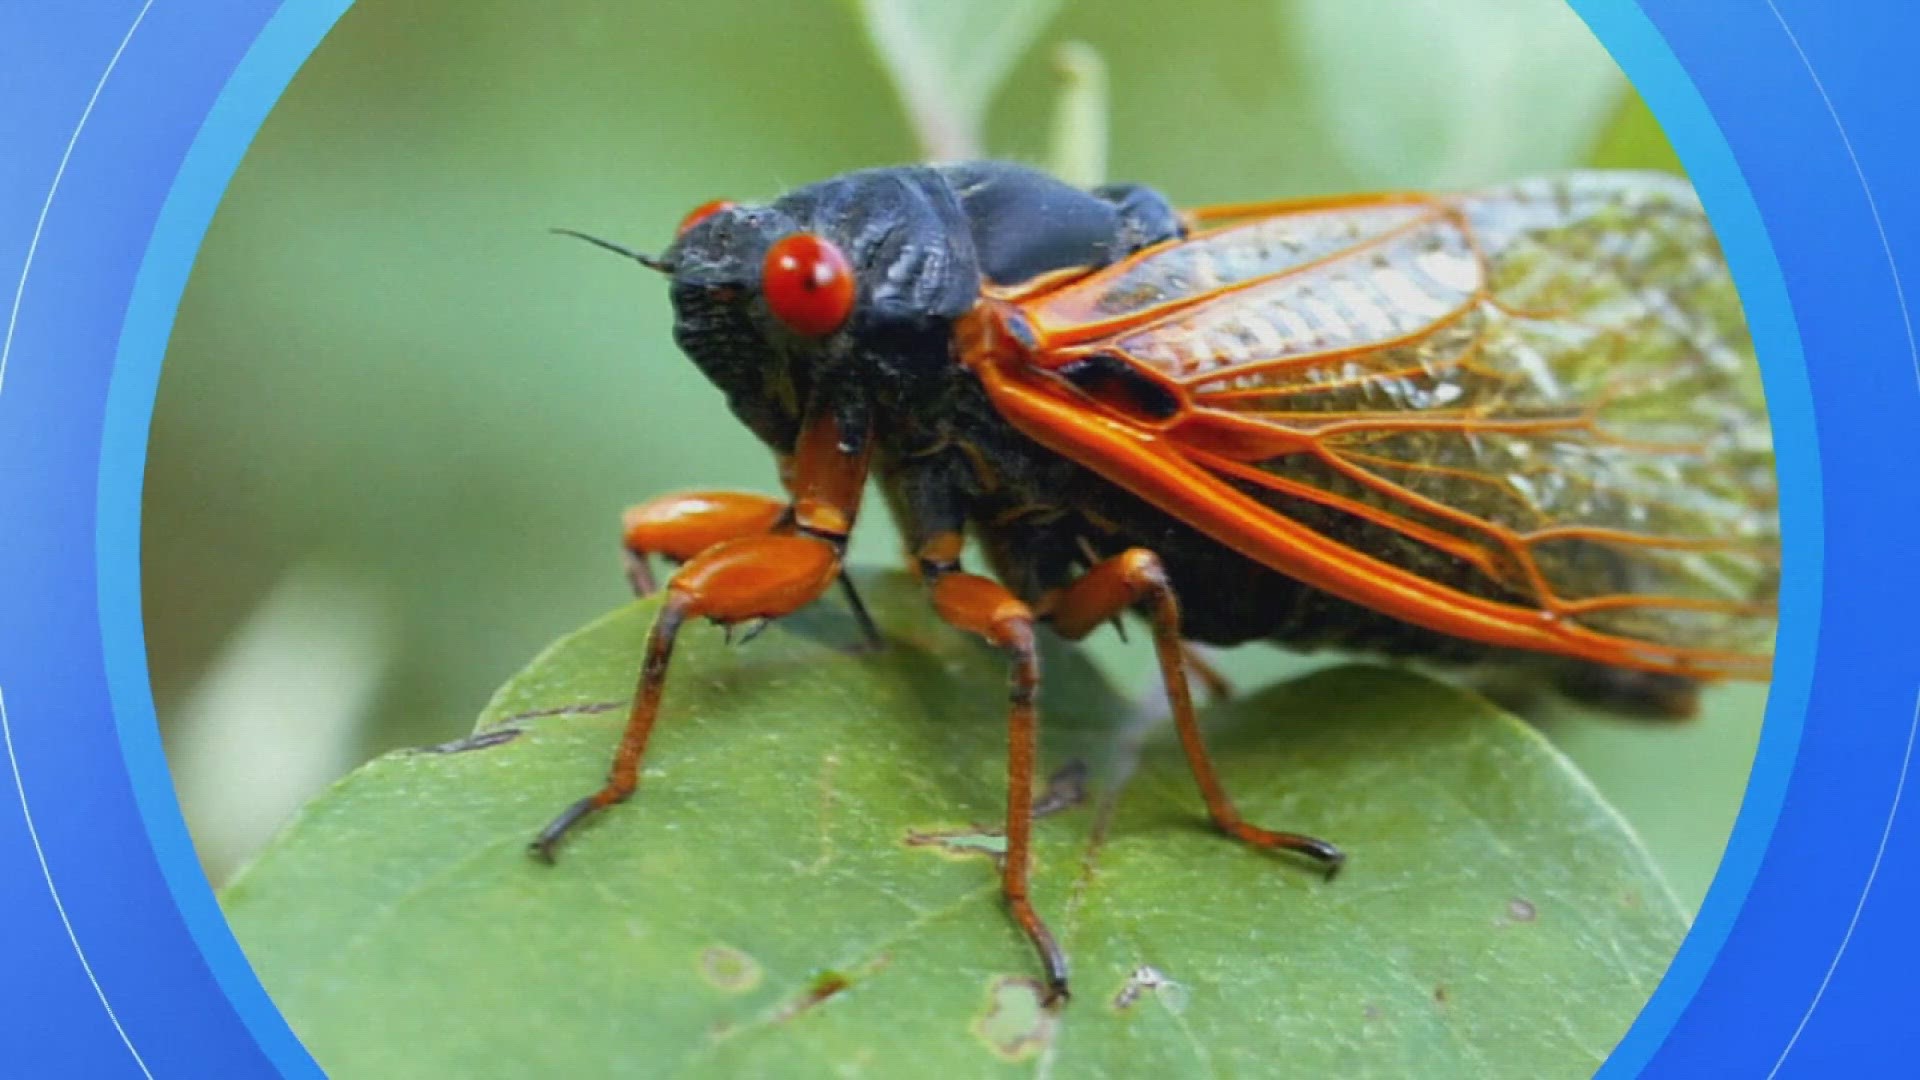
(1541, 395)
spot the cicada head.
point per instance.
(846, 288)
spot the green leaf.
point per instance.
(1633, 139)
(804, 883)
(947, 59)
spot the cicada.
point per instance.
(1515, 426)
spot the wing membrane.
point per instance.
(1542, 394)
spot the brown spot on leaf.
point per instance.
(827, 985)
(1371, 1011)
(1017, 1023)
(824, 986)
(1521, 910)
(1440, 993)
(729, 969)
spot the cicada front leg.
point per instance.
(679, 527)
(744, 579)
(1136, 577)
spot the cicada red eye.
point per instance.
(808, 284)
(701, 213)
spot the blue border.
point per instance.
(242, 106)
(1643, 54)
(1792, 116)
(119, 962)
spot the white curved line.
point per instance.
(6, 731)
(1873, 207)
(33, 244)
(1872, 872)
(1900, 294)
(6, 350)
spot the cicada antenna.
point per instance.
(651, 262)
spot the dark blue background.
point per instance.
(1796, 114)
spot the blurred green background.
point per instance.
(398, 420)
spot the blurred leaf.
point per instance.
(947, 59)
(1676, 782)
(1633, 139)
(803, 884)
(1448, 93)
(1080, 118)
(317, 647)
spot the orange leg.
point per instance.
(1135, 577)
(755, 577)
(679, 527)
(986, 608)
(682, 526)
(744, 579)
